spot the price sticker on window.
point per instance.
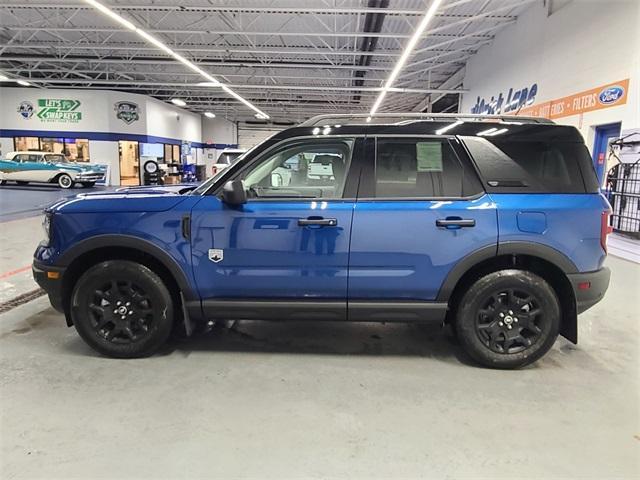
(429, 156)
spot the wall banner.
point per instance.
(605, 96)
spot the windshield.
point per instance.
(56, 158)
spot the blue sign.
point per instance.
(611, 94)
(514, 101)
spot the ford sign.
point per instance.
(611, 94)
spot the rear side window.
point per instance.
(421, 168)
(533, 166)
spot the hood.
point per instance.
(118, 202)
(179, 188)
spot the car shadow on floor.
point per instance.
(429, 340)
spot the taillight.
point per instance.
(605, 229)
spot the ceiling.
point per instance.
(291, 58)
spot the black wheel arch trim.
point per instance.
(135, 243)
(487, 252)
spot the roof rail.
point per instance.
(403, 118)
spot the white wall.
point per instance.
(219, 130)
(583, 45)
(106, 153)
(98, 111)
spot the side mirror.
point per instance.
(233, 193)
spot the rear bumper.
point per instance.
(42, 274)
(589, 287)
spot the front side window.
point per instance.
(420, 168)
(55, 158)
(307, 169)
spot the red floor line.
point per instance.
(14, 272)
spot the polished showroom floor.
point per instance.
(316, 400)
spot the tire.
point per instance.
(88, 184)
(64, 181)
(111, 290)
(494, 325)
(3, 182)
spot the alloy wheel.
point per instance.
(510, 321)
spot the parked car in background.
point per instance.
(494, 225)
(45, 167)
(226, 158)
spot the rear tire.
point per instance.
(508, 319)
(122, 309)
(64, 181)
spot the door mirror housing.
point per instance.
(233, 193)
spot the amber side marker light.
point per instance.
(53, 275)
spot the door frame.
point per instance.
(603, 133)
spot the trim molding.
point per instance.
(110, 137)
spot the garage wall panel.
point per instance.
(248, 136)
(583, 45)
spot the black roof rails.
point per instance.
(403, 118)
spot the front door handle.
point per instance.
(455, 222)
(320, 221)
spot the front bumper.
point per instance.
(589, 287)
(89, 177)
(50, 280)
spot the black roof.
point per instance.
(492, 129)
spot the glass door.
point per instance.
(129, 163)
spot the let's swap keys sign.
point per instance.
(59, 110)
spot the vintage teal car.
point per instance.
(45, 167)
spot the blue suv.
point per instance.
(494, 225)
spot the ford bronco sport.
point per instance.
(494, 225)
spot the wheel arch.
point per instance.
(542, 260)
(118, 247)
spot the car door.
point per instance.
(420, 210)
(289, 242)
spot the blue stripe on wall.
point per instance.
(110, 137)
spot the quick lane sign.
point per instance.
(59, 110)
(604, 96)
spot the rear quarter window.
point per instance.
(521, 166)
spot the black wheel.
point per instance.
(20, 182)
(64, 181)
(508, 319)
(122, 309)
(3, 182)
(88, 184)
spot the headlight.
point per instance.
(46, 226)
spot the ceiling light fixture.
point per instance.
(179, 102)
(408, 49)
(211, 80)
(209, 115)
(24, 83)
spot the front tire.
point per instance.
(64, 181)
(122, 309)
(508, 319)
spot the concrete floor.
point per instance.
(321, 400)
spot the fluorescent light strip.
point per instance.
(212, 81)
(431, 11)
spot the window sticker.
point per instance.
(429, 156)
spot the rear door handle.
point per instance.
(454, 223)
(322, 222)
